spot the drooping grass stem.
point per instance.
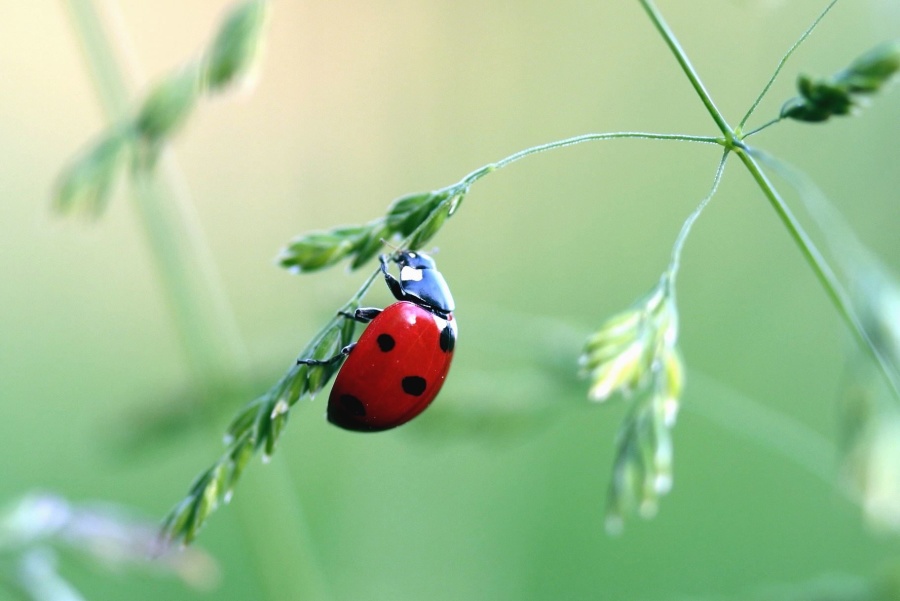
(621, 135)
(462, 186)
(677, 248)
(272, 521)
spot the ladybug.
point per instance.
(398, 365)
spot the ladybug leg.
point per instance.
(364, 315)
(392, 283)
(344, 352)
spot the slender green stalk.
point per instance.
(272, 520)
(621, 135)
(820, 267)
(813, 256)
(686, 66)
(675, 262)
(755, 131)
(834, 229)
(780, 66)
(807, 247)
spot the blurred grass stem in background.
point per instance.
(271, 519)
(183, 261)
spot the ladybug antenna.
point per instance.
(389, 245)
(394, 250)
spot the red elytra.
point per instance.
(395, 370)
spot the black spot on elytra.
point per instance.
(448, 339)
(385, 342)
(353, 405)
(414, 385)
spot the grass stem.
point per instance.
(619, 135)
(190, 281)
(686, 66)
(808, 249)
(820, 267)
(205, 325)
(780, 66)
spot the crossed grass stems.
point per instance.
(634, 352)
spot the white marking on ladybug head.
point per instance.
(440, 322)
(410, 274)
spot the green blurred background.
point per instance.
(498, 491)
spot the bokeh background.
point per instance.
(498, 491)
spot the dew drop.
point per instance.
(670, 411)
(662, 484)
(454, 204)
(280, 408)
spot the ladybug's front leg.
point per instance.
(392, 283)
(344, 352)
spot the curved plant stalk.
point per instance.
(203, 319)
(678, 247)
(317, 250)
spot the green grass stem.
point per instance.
(822, 270)
(820, 267)
(190, 281)
(780, 66)
(677, 248)
(621, 135)
(681, 56)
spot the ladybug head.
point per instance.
(416, 260)
(421, 282)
